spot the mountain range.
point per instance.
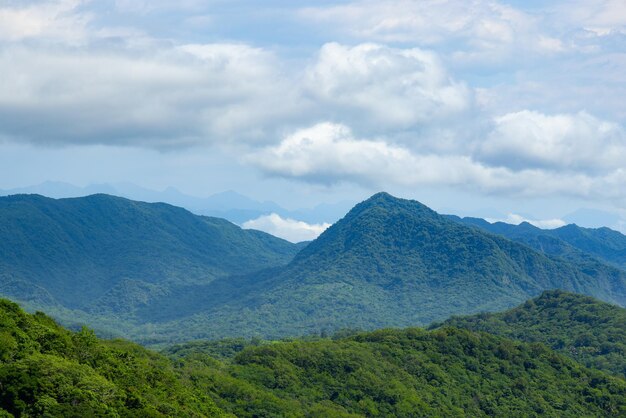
(569, 242)
(160, 274)
(228, 205)
(102, 250)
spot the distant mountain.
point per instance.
(388, 262)
(589, 331)
(108, 254)
(228, 205)
(48, 371)
(570, 242)
(160, 274)
(592, 218)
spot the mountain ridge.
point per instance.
(387, 262)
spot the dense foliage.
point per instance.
(48, 371)
(590, 331)
(410, 373)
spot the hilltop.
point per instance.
(586, 329)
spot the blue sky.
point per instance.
(464, 105)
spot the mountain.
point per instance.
(159, 274)
(388, 262)
(104, 253)
(228, 205)
(593, 218)
(581, 327)
(46, 370)
(570, 241)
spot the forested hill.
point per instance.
(71, 252)
(569, 242)
(394, 262)
(48, 371)
(159, 274)
(578, 326)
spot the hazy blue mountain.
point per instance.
(570, 242)
(388, 262)
(592, 218)
(160, 274)
(228, 205)
(102, 250)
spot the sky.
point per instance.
(472, 107)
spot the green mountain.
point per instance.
(570, 242)
(159, 274)
(108, 255)
(47, 371)
(589, 331)
(389, 262)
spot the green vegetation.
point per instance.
(161, 275)
(569, 242)
(585, 329)
(389, 262)
(102, 258)
(48, 371)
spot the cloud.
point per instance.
(53, 20)
(578, 142)
(468, 27)
(329, 153)
(385, 87)
(289, 229)
(600, 17)
(161, 95)
(157, 98)
(515, 219)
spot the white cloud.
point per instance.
(579, 142)
(329, 153)
(143, 7)
(158, 95)
(289, 229)
(601, 17)
(516, 219)
(470, 27)
(378, 85)
(50, 20)
(155, 98)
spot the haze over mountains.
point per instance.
(229, 205)
(239, 208)
(158, 273)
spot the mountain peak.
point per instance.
(385, 201)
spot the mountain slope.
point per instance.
(390, 262)
(79, 251)
(159, 274)
(48, 371)
(570, 242)
(590, 331)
